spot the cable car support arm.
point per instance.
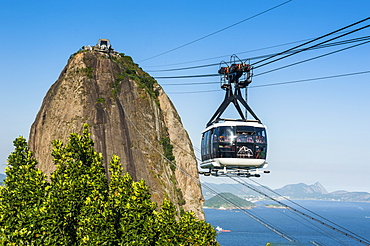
(231, 76)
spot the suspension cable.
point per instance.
(348, 233)
(331, 33)
(298, 212)
(217, 194)
(297, 204)
(272, 70)
(313, 58)
(223, 29)
(271, 84)
(254, 217)
(269, 55)
(363, 38)
(317, 229)
(364, 241)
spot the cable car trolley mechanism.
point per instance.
(234, 146)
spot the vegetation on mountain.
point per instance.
(81, 206)
(134, 72)
(221, 201)
(274, 205)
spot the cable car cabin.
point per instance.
(232, 144)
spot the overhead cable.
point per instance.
(305, 216)
(296, 63)
(254, 217)
(297, 204)
(313, 226)
(342, 230)
(279, 232)
(224, 56)
(346, 232)
(186, 76)
(275, 84)
(312, 79)
(228, 55)
(193, 83)
(353, 40)
(223, 29)
(313, 40)
(280, 58)
(313, 58)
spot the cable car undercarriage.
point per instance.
(234, 172)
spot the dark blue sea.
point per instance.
(352, 216)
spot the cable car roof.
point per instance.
(233, 122)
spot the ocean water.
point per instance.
(353, 216)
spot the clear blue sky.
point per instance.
(318, 130)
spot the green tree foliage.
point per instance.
(80, 206)
(21, 198)
(79, 173)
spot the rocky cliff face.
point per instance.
(130, 116)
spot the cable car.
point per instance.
(234, 146)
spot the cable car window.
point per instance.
(226, 134)
(260, 135)
(261, 143)
(215, 135)
(210, 144)
(214, 143)
(260, 152)
(225, 142)
(245, 134)
(206, 144)
(202, 147)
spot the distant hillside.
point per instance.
(219, 202)
(302, 190)
(343, 195)
(292, 191)
(317, 191)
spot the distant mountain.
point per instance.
(302, 190)
(292, 191)
(219, 202)
(343, 195)
(317, 191)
